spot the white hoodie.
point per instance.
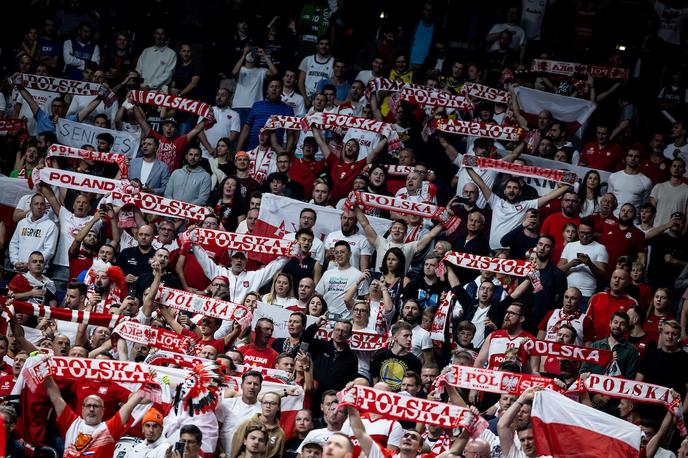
(30, 236)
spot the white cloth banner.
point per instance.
(78, 134)
(279, 316)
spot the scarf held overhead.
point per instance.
(570, 68)
(479, 129)
(359, 340)
(133, 331)
(56, 150)
(559, 176)
(215, 241)
(63, 314)
(174, 102)
(195, 303)
(435, 98)
(64, 86)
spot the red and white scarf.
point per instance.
(286, 122)
(260, 162)
(215, 241)
(439, 322)
(9, 125)
(384, 84)
(515, 267)
(479, 129)
(559, 176)
(565, 351)
(174, 102)
(480, 91)
(76, 153)
(136, 332)
(64, 86)
(396, 170)
(570, 68)
(158, 205)
(359, 340)
(406, 207)
(637, 391)
(204, 305)
(473, 378)
(338, 121)
(81, 182)
(164, 357)
(407, 408)
(63, 314)
(435, 98)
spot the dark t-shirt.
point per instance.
(132, 261)
(299, 268)
(390, 368)
(183, 74)
(426, 295)
(660, 272)
(145, 280)
(666, 369)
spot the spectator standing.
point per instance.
(315, 68)
(629, 185)
(671, 196)
(191, 183)
(79, 50)
(36, 232)
(156, 64)
(584, 261)
(250, 78)
(261, 112)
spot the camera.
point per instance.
(179, 448)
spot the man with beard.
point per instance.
(569, 314)
(668, 364)
(158, 173)
(190, 183)
(361, 251)
(135, 261)
(629, 185)
(511, 335)
(390, 365)
(169, 279)
(153, 444)
(625, 363)
(623, 238)
(553, 282)
(486, 314)
(345, 168)
(603, 304)
(421, 344)
(600, 154)
(554, 224)
(507, 213)
(233, 411)
(247, 185)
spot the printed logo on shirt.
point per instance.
(255, 360)
(31, 232)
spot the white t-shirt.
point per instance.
(382, 245)
(671, 22)
(367, 141)
(631, 189)
(505, 217)
(227, 120)
(249, 88)
(70, 226)
(295, 101)
(580, 276)
(365, 76)
(532, 14)
(420, 340)
(332, 285)
(146, 168)
(479, 321)
(358, 243)
(281, 301)
(670, 199)
(231, 412)
(315, 71)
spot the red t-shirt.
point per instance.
(601, 157)
(261, 358)
(112, 394)
(304, 172)
(82, 440)
(170, 151)
(6, 384)
(657, 172)
(82, 262)
(343, 175)
(601, 308)
(218, 344)
(193, 273)
(626, 242)
(602, 223)
(651, 326)
(554, 226)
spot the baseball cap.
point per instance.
(241, 154)
(236, 254)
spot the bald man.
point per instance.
(477, 448)
(603, 305)
(135, 261)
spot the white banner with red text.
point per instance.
(570, 68)
(486, 163)
(173, 102)
(56, 150)
(479, 129)
(133, 331)
(590, 355)
(204, 305)
(359, 340)
(64, 86)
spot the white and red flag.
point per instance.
(571, 111)
(566, 429)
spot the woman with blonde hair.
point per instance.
(282, 291)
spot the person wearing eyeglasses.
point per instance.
(268, 418)
(192, 438)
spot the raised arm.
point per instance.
(322, 144)
(375, 152)
(76, 243)
(128, 407)
(555, 194)
(149, 299)
(487, 192)
(50, 195)
(449, 149)
(92, 105)
(364, 440)
(515, 153)
(351, 293)
(516, 108)
(429, 237)
(29, 99)
(54, 395)
(169, 318)
(140, 119)
(504, 429)
(371, 235)
(196, 130)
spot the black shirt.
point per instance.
(132, 261)
(666, 369)
(146, 279)
(427, 295)
(390, 368)
(518, 242)
(299, 268)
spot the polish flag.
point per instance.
(572, 111)
(566, 429)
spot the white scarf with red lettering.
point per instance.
(259, 166)
(435, 98)
(384, 84)
(396, 170)
(637, 391)
(174, 102)
(406, 207)
(560, 176)
(473, 378)
(565, 351)
(204, 305)
(64, 86)
(479, 129)
(338, 121)
(285, 122)
(133, 331)
(154, 204)
(515, 267)
(81, 182)
(408, 408)
(56, 150)
(214, 240)
(570, 68)
(480, 91)
(359, 340)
